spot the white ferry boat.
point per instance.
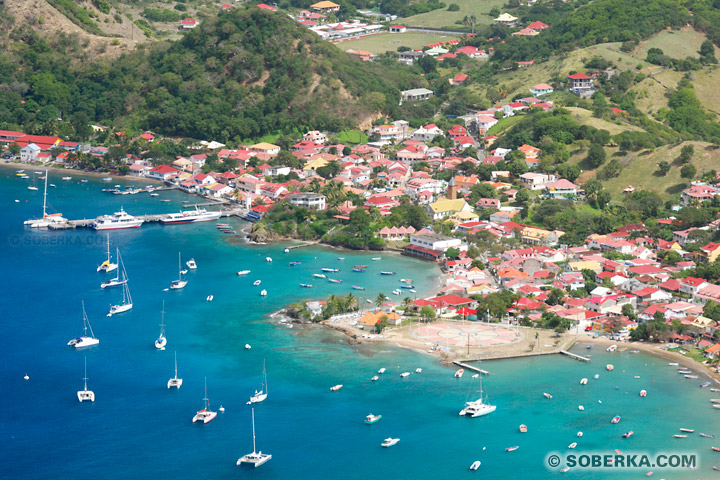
(190, 216)
(116, 221)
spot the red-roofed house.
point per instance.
(458, 79)
(579, 81)
(537, 25)
(541, 89)
(561, 188)
(162, 172)
(187, 24)
(398, 29)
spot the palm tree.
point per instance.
(381, 298)
(407, 301)
(351, 302)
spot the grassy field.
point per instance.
(443, 18)
(504, 124)
(586, 117)
(352, 137)
(676, 44)
(640, 169)
(385, 42)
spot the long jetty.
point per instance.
(87, 222)
(470, 367)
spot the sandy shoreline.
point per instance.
(75, 172)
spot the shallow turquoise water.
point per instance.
(137, 428)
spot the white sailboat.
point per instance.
(175, 381)
(260, 395)
(84, 340)
(127, 303)
(161, 340)
(107, 265)
(46, 219)
(117, 281)
(34, 184)
(477, 408)
(179, 283)
(205, 415)
(85, 394)
(255, 458)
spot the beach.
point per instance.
(29, 167)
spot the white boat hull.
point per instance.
(254, 459)
(115, 309)
(160, 343)
(86, 395)
(175, 382)
(258, 397)
(177, 285)
(82, 342)
(204, 416)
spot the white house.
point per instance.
(29, 153)
(435, 241)
(416, 94)
(308, 200)
(427, 133)
(536, 181)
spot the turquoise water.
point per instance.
(137, 428)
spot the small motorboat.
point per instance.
(221, 409)
(387, 273)
(306, 285)
(370, 419)
(680, 436)
(405, 374)
(523, 428)
(247, 346)
(572, 445)
(616, 419)
(512, 449)
(268, 259)
(609, 367)
(418, 370)
(330, 270)
(643, 393)
(581, 408)
(674, 364)
(375, 258)
(707, 435)
(716, 468)
(705, 384)
(628, 434)
(612, 348)
(154, 194)
(341, 258)
(335, 388)
(183, 271)
(319, 275)
(287, 250)
(475, 465)
(263, 293)
(293, 264)
(381, 371)
(459, 373)
(67, 178)
(596, 376)
(476, 375)
(335, 280)
(256, 283)
(687, 430)
(547, 395)
(243, 272)
(691, 376)
(634, 351)
(396, 292)
(191, 264)
(375, 378)
(209, 298)
(715, 449)
(583, 381)
(563, 470)
(358, 287)
(389, 442)
(580, 434)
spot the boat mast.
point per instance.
(162, 325)
(206, 399)
(44, 195)
(175, 364)
(85, 378)
(253, 423)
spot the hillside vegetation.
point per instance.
(239, 75)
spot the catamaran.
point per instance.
(161, 340)
(85, 394)
(47, 219)
(478, 407)
(260, 395)
(127, 303)
(84, 340)
(179, 283)
(175, 381)
(117, 281)
(205, 415)
(107, 265)
(255, 458)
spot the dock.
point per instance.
(575, 356)
(470, 367)
(306, 244)
(87, 222)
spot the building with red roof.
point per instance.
(579, 81)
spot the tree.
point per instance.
(555, 296)
(595, 156)
(381, 298)
(688, 171)
(686, 153)
(427, 313)
(628, 311)
(381, 325)
(663, 168)
(452, 253)
(427, 64)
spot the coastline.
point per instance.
(31, 166)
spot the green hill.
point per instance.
(239, 75)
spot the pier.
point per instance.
(470, 367)
(574, 356)
(306, 244)
(87, 222)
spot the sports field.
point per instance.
(385, 42)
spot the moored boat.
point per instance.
(680, 436)
(583, 381)
(205, 415)
(612, 348)
(572, 445)
(405, 374)
(475, 465)
(330, 270)
(687, 430)
(370, 419)
(547, 395)
(628, 434)
(243, 272)
(643, 393)
(190, 216)
(335, 388)
(459, 373)
(523, 428)
(705, 384)
(389, 442)
(83, 340)
(387, 273)
(295, 263)
(512, 449)
(255, 458)
(707, 435)
(116, 221)
(358, 287)
(615, 419)
(334, 280)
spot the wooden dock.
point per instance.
(306, 244)
(575, 356)
(521, 355)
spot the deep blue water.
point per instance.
(137, 428)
